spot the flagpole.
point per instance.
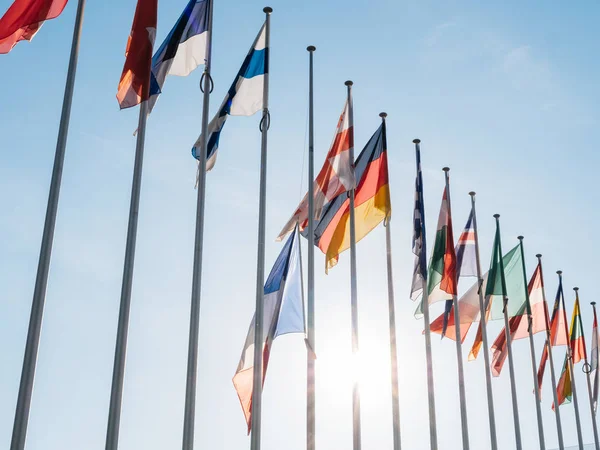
(310, 362)
(586, 369)
(392, 320)
(596, 375)
(356, 428)
(189, 419)
(538, 400)
(19, 434)
(260, 263)
(428, 356)
(561, 444)
(459, 356)
(570, 359)
(511, 367)
(486, 352)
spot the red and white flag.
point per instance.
(24, 18)
(336, 176)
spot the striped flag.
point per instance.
(283, 314)
(336, 175)
(372, 202)
(24, 18)
(594, 361)
(184, 48)
(558, 333)
(134, 86)
(565, 387)
(419, 242)
(519, 324)
(244, 98)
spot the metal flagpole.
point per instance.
(561, 444)
(586, 369)
(260, 263)
(428, 356)
(392, 320)
(538, 400)
(486, 352)
(459, 357)
(356, 429)
(41, 281)
(192, 364)
(570, 359)
(310, 362)
(511, 366)
(116, 393)
(595, 388)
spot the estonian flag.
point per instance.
(244, 98)
(184, 49)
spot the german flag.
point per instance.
(371, 202)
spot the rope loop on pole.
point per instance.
(212, 84)
(266, 118)
(586, 368)
(386, 222)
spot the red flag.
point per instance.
(24, 18)
(134, 87)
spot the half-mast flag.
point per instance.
(519, 324)
(24, 18)
(336, 175)
(594, 362)
(134, 86)
(441, 284)
(184, 48)
(419, 242)
(558, 333)
(244, 98)
(468, 305)
(283, 314)
(372, 202)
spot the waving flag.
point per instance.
(419, 242)
(371, 202)
(565, 387)
(24, 18)
(283, 313)
(519, 325)
(336, 175)
(558, 333)
(594, 362)
(244, 98)
(184, 49)
(134, 87)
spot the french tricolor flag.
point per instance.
(184, 48)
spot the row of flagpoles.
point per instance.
(344, 189)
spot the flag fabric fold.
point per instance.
(244, 98)
(184, 48)
(24, 18)
(419, 241)
(283, 313)
(134, 86)
(372, 202)
(565, 387)
(336, 175)
(519, 324)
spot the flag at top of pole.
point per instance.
(134, 86)
(594, 360)
(336, 175)
(244, 98)
(24, 18)
(419, 242)
(184, 48)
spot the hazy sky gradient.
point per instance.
(505, 94)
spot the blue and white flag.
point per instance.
(184, 49)
(244, 98)
(283, 313)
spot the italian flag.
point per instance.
(576, 335)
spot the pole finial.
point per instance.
(446, 169)
(575, 288)
(497, 216)
(349, 83)
(520, 238)
(311, 48)
(267, 10)
(593, 303)
(538, 256)
(416, 141)
(383, 115)
(472, 193)
(559, 272)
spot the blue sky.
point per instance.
(505, 94)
